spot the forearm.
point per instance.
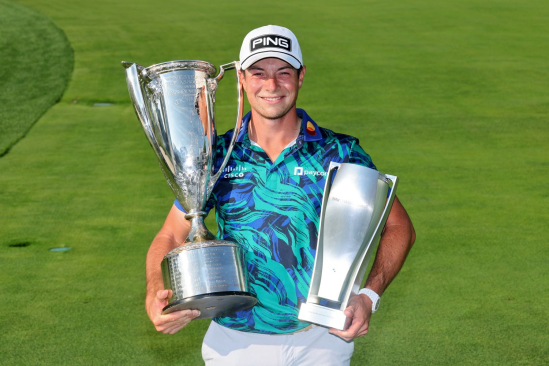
(173, 233)
(161, 245)
(396, 241)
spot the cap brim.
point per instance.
(244, 64)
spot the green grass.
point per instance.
(37, 62)
(450, 96)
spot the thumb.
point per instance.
(162, 298)
(350, 311)
(162, 295)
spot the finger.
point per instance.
(169, 327)
(161, 322)
(179, 315)
(162, 295)
(176, 325)
(349, 313)
(165, 323)
(348, 334)
(355, 328)
(161, 300)
(362, 331)
(174, 328)
(178, 328)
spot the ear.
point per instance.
(301, 76)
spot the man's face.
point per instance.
(272, 86)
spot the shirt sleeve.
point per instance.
(209, 205)
(178, 205)
(359, 156)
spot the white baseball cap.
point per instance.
(270, 41)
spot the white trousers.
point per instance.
(316, 347)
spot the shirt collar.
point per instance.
(309, 129)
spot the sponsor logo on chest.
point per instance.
(234, 171)
(300, 171)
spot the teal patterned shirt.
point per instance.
(272, 210)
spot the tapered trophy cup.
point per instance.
(355, 207)
(174, 101)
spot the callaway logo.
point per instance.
(270, 40)
(299, 171)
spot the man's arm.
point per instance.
(173, 233)
(397, 239)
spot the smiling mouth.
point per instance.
(271, 99)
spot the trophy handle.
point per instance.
(133, 71)
(233, 65)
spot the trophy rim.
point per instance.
(177, 65)
(214, 304)
(199, 245)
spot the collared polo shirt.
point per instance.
(272, 210)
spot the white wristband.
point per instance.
(373, 296)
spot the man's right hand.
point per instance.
(169, 323)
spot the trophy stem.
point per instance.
(198, 232)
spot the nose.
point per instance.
(271, 84)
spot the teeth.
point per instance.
(272, 99)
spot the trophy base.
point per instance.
(321, 315)
(214, 304)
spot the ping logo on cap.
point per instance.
(270, 40)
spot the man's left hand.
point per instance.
(359, 311)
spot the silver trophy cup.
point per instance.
(175, 103)
(355, 207)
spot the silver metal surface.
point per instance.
(323, 315)
(355, 208)
(174, 101)
(209, 276)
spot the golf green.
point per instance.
(449, 96)
(37, 61)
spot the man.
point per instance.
(271, 207)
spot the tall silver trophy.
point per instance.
(355, 207)
(175, 103)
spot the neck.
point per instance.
(273, 135)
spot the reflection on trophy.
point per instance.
(355, 207)
(175, 103)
